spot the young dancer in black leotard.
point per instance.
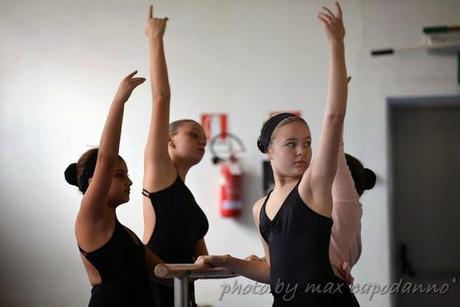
(174, 224)
(295, 218)
(117, 263)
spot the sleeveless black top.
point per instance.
(123, 270)
(180, 224)
(298, 239)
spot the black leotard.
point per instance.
(179, 225)
(123, 270)
(298, 239)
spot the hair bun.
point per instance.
(71, 174)
(370, 179)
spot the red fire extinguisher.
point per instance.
(231, 174)
(230, 189)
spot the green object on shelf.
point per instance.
(440, 29)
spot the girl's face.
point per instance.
(189, 143)
(120, 187)
(290, 149)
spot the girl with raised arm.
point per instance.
(295, 218)
(117, 263)
(174, 224)
(350, 182)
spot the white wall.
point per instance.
(61, 62)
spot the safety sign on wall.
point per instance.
(214, 123)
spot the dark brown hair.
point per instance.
(175, 125)
(78, 174)
(364, 178)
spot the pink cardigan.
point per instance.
(345, 244)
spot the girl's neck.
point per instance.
(181, 169)
(285, 181)
(110, 213)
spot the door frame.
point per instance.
(393, 104)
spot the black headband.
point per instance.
(268, 128)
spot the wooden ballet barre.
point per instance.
(183, 272)
(193, 271)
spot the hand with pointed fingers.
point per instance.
(345, 273)
(155, 26)
(333, 24)
(127, 86)
(254, 258)
(212, 261)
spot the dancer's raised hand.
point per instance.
(333, 24)
(127, 86)
(155, 26)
